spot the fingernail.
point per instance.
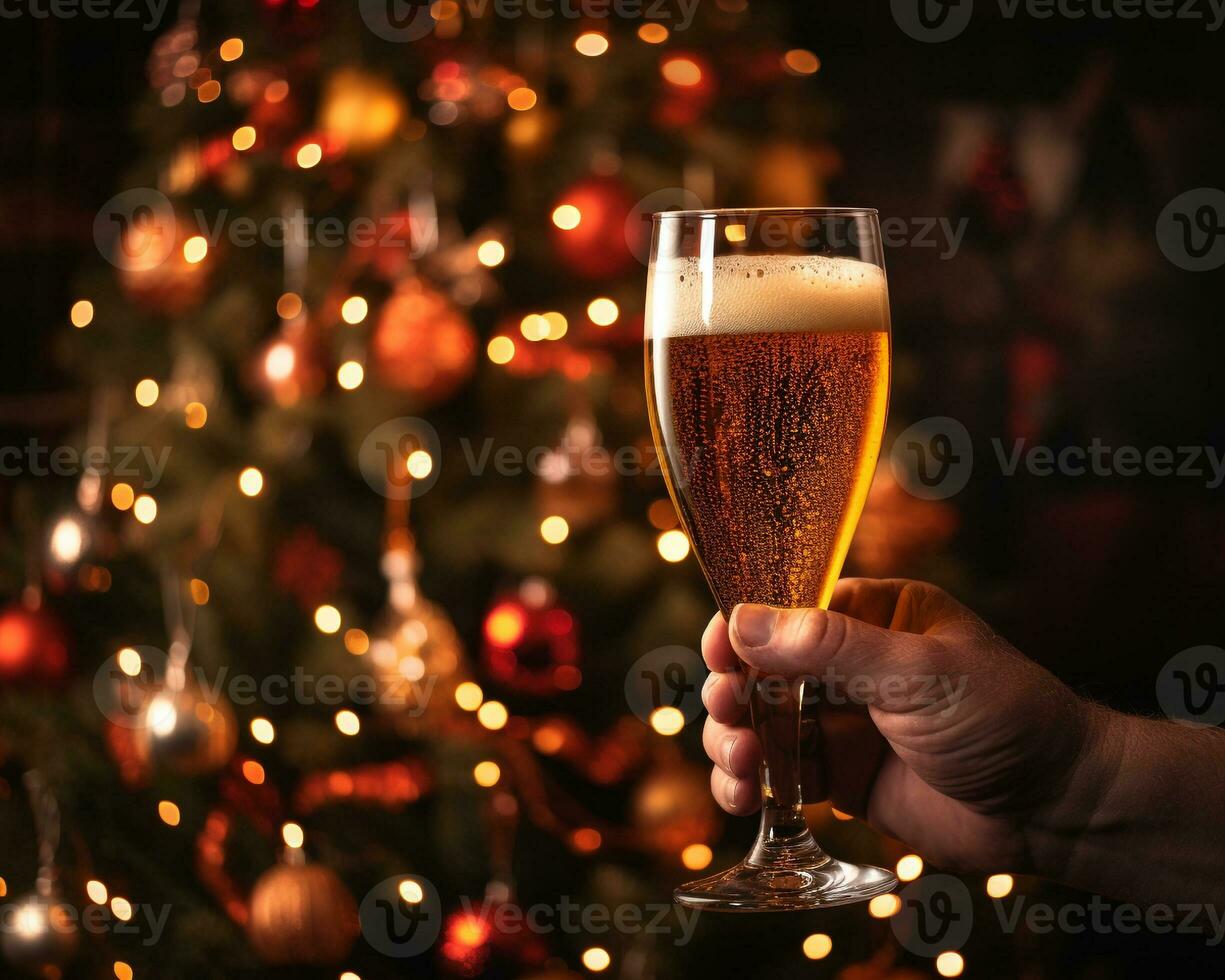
(708, 684)
(727, 753)
(733, 793)
(754, 624)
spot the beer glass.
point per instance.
(767, 372)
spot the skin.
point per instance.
(975, 756)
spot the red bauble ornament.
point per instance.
(289, 367)
(388, 248)
(33, 646)
(307, 568)
(595, 247)
(422, 343)
(531, 642)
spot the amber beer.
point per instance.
(768, 381)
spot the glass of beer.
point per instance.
(767, 373)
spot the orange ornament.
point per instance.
(422, 343)
(302, 915)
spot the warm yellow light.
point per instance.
(309, 155)
(682, 71)
(199, 591)
(734, 233)
(251, 481)
(695, 857)
(347, 722)
(288, 306)
(95, 891)
(210, 91)
(592, 44)
(349, 975)
(195, 414)
(667, 720)
(122, 496)
(147, 392)
(195, 249)
(950, 964)
(909, 867)
(353, 311)
(653, 33)
(603, 312)
(67, 540)
(817, 946)
(169, 812)
(501, 350)
(554, 529)
(468, 695)
(883, 906)
(262, 731)
(491, 254)
(276, 91)
(231, 50)
(123, 971)
(350, 375)
(243, 138)
(357, 641)
(121, 908)
(492, 715)
(567, 217)
(327, 619)
(558, 325)
(798, 61)
(839, 815)
(411, 891)
(253, 772)
(534, 327)
(487, 773)
(292, 835)
(420, 464)
(129, 661)
(999, 886)
(521, 99)
(145, 509)
(673, 545)
(82, 313)
(596, 959)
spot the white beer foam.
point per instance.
(739, 294)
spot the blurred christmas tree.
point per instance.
(369, 262)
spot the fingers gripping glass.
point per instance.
(767, 357)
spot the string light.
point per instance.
(357, 641)
(122, 496)
(501, 350)
(419, 464)
(491, 254)
(279, 361)
(353, 311)
(735, 233)
(169, 812)
(262, 731)
(253, 772)
(121, 908)
(195, 249)
(554, 529)
(673, 545)
(683, 72)
(468, 695)
(817, 946)
(591, 43)
(327, 618)
(145, 509)
(122, 971)
(81, 314)
(243, 138)
(231, 50)
(521, 99)
(653, 33)
(999, 886)
(95, 891)
(798, 61)
(67, 540)
(567, 217)
(292, 835)
(909, 867)
(347, 722)
(950, 964)
(147, 392)
(486, 773)
(695, 857)
(288, 306)
(586, 840)
(129, 662)
(492, 715)
(411, 891)
(251, 481)
(596, 959)
(210, 91)
(350, 375)
(276, 91)
(199, 591)
(534, 327)
(195, 415)
(309, 155)
(884, 906)
(603, 312)
(349, 975)
(667, 720)
(557, 323)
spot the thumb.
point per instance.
(887, 668)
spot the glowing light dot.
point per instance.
(491, 254)
(468, 695)
(557, 325)
(420, 464)
(603, 312)
(350, 375)
(534, 327)
(129, 661)
(567, 217)
(554, 529)
(839, 815)
(673, 545)
(695, 857)
(81, 314)
(683, 72)
(349, 975)
(667, 720)
(251, 481)
(253, 772)
(357, 641)
(122, 971)
(735, 233)
(195, 414)
(195, 249)
(231, 50)
(492, 715)
(592, 44)
(353, 311)
(67, 540)
(169, 812)
(262, 731)
(121, 908)
(817, 946)
(883, 906)
(292, 835)
(411, 891)
(909, 867)
(309, 155)
(95, 891)
(289, 306)
(147, 392)
(145, 509)
(487, 773)
(999, 886)
(279, 362)
(798, 61)
(521, 99)
(950, 964)
(501, 350)
(277, 91)
(210, 91)
(199, 591)
(653, 33)
(505, 624)
(586, 840)
(596, 959)
(122, 496)
(243, 138)
(347, 722)
(327, 619)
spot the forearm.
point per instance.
(1140, 819)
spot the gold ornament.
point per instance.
(417, 659)
(360, 110)
(302, 914)
(185, 733)
(40, 936)
(672, 808)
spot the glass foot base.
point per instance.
(789, 885)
